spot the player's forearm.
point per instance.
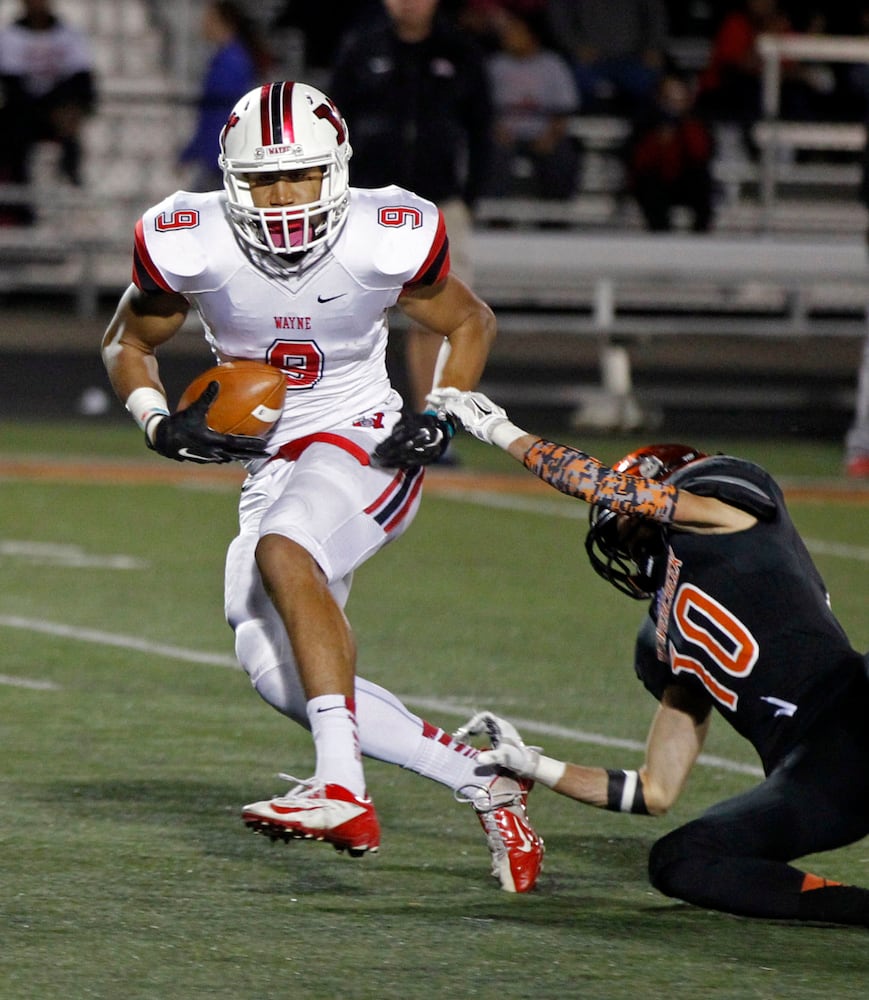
(469, 346)
(129, 365)
(134, 377)
(577, 474)
(519, 446)
(585, 784)
(616, 790)
(139, 326)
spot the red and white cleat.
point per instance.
(315, 811)
(516, 849)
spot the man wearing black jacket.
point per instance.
(417, 92)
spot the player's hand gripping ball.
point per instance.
(250, 399)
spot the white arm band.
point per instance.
(549, 771)
(145, 404)
(505, 434)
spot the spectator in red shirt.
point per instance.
(669, 159)
(730, 87)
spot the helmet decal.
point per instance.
(328, 112)
(231, 121)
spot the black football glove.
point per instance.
(417, 439)
(186, 437)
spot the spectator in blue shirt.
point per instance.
(239, 62)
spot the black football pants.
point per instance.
(735, 857)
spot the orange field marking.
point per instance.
(438, 481)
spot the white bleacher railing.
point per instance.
(773, 134)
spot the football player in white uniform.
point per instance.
(291, 266)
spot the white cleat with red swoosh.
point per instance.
(316, 811)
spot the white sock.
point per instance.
(390, 732)
(336, 742)
(439, 757)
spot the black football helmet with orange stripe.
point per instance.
(285, 126)
(628, 551)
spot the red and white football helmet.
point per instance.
(278, 127)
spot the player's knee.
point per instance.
(271, 669)
(680, 861)
(254, 651)
(665, 858)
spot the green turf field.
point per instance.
(130, 744)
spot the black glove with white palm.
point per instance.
(508, 749)
(477, 414)
(186, 437)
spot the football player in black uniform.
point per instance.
(739, 621)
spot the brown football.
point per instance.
(250, 399)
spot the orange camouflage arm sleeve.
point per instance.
(579, 475)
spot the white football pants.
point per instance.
(342, 512)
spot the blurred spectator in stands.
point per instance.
(730, 86)
(669, 159)
(617, 48)
(695, 18)
(479, 17)
(321, 26)
(534, 95)
(238, 62)
(821, 17)
(415, 89)
(47, 88)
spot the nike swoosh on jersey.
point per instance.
(782, 707)
(331, 298)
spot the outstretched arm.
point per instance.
(675, 740)
(581, 475)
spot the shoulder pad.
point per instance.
(734, 481)
(389, 234)
(183, 234)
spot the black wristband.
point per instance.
(624, 792)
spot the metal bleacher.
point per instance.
(81, 241)
(148, 61)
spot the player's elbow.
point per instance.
(657, 808)
(659, 798)
(487, 324)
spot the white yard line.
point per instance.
(222, 660)
(28, 682)
(66, 556)
(100, 638)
